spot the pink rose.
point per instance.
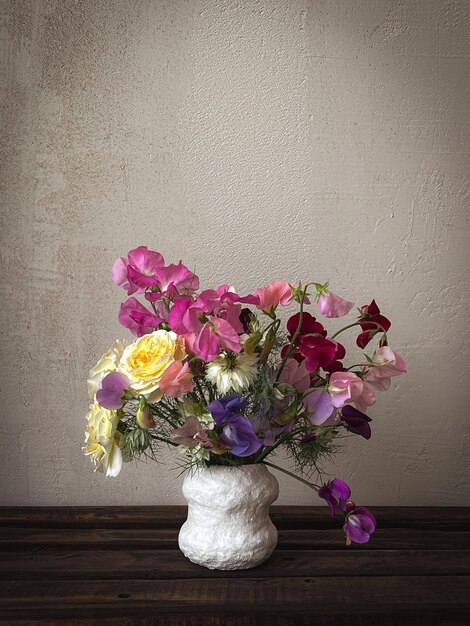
(347, 387)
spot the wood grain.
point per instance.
(122, 566)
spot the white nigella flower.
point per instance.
(232, 372)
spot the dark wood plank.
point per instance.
(164, 539)
(225, 619)
(362, 595)
(171, 564)
(285, 517)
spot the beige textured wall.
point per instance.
(256, 140)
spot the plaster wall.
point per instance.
(257, 140)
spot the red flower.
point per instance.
(372, 323)
(312, 345)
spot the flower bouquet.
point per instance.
(219, 378)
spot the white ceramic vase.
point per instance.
(228, 525)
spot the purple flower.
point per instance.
(359, 525)
(319, 405)
(225, 407)
(356, 421)
(237, 431)
(336, 493)
(111, 391)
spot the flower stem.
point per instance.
(292, 475)
(294, 338)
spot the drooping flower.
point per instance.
(231, 372)
(137, 272)
(278, 292)
(110, 394)
(237, 431)
(108, 363)
(359, 525)
(348, 387)
(176, 380)
(332, 305)
(192, 433)
(356, 421)
(144, 362)
(336, 493)
(319, 404)
(139, 320)
(385, 365)
(371, 322)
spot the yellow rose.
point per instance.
(102, 440)
(108, 363)
(145, 361)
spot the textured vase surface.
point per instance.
(228, 525)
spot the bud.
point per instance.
(143, 415)
(253, 340)
(268, 344)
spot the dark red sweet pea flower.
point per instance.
(372, 322)
(310, 326)
(313, 346)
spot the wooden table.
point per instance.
(121, 566)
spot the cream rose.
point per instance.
(108, 363)
(145, 361)
(102, 440)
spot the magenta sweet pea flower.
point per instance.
(279, 292)
(140, 266)
(336, 493)
(139, 320)
(174, 280)
(110, 394)
(359, 525)
(356, 421)
(332, 305)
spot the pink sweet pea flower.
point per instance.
(385, 365)
(296, 375)
(176, 380)
(332, 305)
(348, 387)
(137, 272)
(139, 320)
(274, 294)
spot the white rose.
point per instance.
(108, 363)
